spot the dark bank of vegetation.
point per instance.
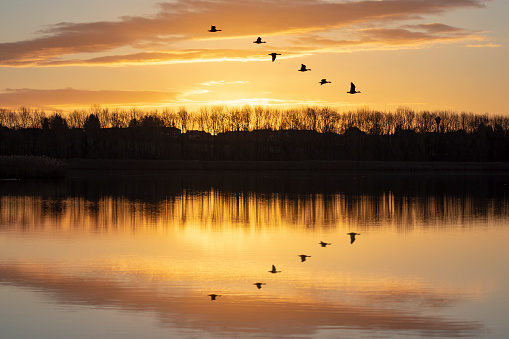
(22, 166)
(217, 133)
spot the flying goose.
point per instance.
(214, 29)
(324, 81)
(274, 56)
(259, 41)
(303, 68)
(303, 257)
(352, 89)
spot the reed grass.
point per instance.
(27, 166)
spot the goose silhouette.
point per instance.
(259, 41)
(352, 236)
(323, 244)
(324, 81)
(274, 56)
(214, 29)
(352, 89)
(303, 257)
(259, 284)
(303, 68)
(274, 270)
(214, 296)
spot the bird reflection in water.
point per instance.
(214, 296)
(274, 270)
(259, 284)
(352, 236)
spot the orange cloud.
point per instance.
(484, 45)
(436, 28)
(154, 37)
(416, 35)
(407, 37)
(64, 97)
(189, 55)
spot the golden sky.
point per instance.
(424, 54)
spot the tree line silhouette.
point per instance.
(255, 133)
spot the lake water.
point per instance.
(136, 255)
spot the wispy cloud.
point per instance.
(177, 56)
(401, 36)
(491, 45)
(436, 28)
(222, 82)
(380, 38)
(155, 38)
(75, 97)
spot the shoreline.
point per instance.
(330, 166)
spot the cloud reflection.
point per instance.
(234, 313)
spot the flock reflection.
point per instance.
(196, 249)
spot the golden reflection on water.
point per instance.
(167, 256)
(214, 210)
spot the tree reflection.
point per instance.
(262, 199)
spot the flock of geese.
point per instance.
(303, 258)
(303, 67)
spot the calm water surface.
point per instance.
(136, 255)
